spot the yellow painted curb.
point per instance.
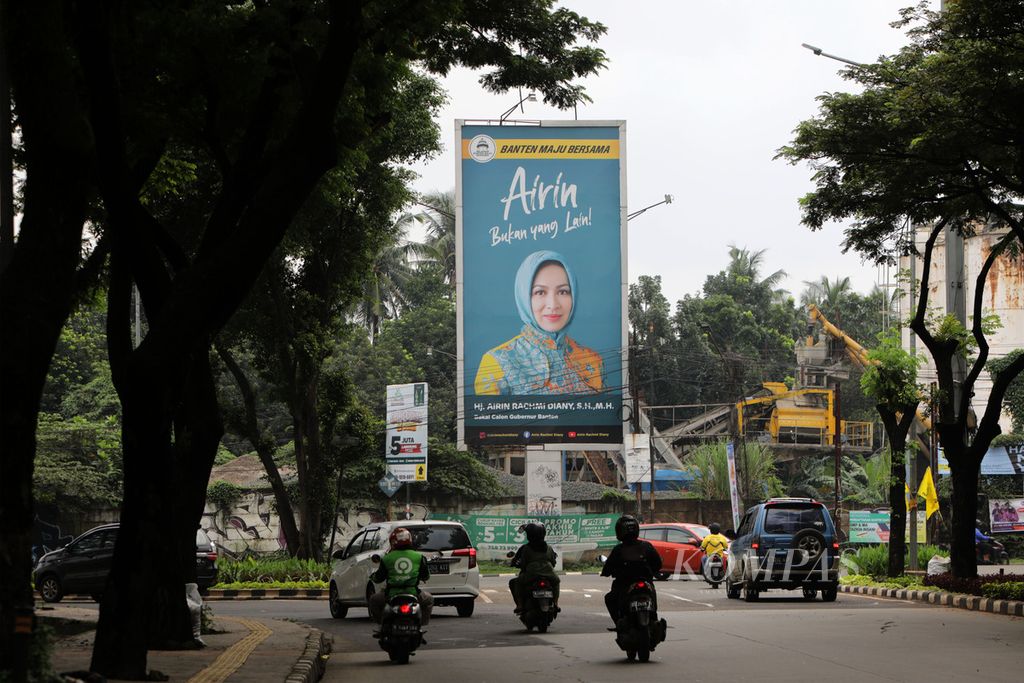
(234, 657)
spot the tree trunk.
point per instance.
(35, 300)
(964, 507)
(144, 600)
(897, 511)
(896, 428)
(264, 449)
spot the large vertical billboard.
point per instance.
(541, 283)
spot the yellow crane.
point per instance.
(857, 354)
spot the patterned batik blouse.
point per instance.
(534, 363)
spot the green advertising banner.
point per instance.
(868, 526)
(496, 530)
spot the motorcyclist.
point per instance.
(630, 560)
(982, 543)
(535, 559)
(713, 544)
(403, 568)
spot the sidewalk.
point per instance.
(248, 649)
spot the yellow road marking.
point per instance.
(232, 659)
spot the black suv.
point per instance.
(82, 565)
(785, 543)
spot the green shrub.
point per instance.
(896, 582)
(972, 585)
(223, 495)
(873, 560)
(274, 570)
(1009, 590)
(275, 585)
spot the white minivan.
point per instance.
(451, 558)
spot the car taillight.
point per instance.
(405, 609)
(466, 552)
(755, 546)
(835, 546)
(212, 557)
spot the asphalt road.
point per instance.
(781, 637)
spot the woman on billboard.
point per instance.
(542, 358)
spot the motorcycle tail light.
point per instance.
(542, 584)
(640, 584)
(405, 609)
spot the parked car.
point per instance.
(678, 544)
(788, 543)
(454, 575)
(82, 566)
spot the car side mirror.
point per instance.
(730, 534)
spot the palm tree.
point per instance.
(828, 295)
(746, 263)
(439, 217)
(383, 287)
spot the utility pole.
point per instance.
(837, 438)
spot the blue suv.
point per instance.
(788, 543)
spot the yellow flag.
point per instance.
(911, 501)
(927, 491)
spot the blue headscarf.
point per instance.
(524, 291)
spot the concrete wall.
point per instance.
(252, 527)
(1003, 295)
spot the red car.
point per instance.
(678, 544)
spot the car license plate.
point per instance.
(543, 594)
(439, 567)
(639, 606)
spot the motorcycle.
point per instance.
(996, 553)
(714, 569)
(540, 609)
(400, 633)
(639, 630)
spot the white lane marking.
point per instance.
(486, 599)
(567, 590)
(591, 590)
(490, 590)
(679, 597)
(587, 595)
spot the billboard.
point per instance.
(872, 526)
(406, 445)
(541, 284)
(1006, 516)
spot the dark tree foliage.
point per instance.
(106, 96)
(933, 139)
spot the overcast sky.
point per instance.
(709, 91)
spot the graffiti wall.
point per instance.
(252, 526)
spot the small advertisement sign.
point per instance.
(872, 526)
(637, 454)
(1006, 516)
(406, 444)
(734, 492)
(1003, 460)
(543, 483)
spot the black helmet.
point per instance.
(534, 532)
(627, 528)
(714, 528)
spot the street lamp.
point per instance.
(532, 97)
(666, 200)
(431, 351)
(818, 52)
